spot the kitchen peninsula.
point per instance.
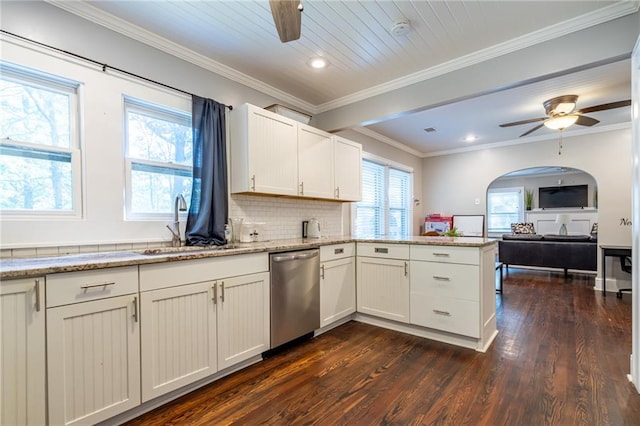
(145, 308)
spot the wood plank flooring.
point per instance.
(561, 358)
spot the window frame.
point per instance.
(520, 191)
(387, 164)
(164, 113)
(74, 90)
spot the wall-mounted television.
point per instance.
(563, 196)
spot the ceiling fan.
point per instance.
(561, 113)
(287, 15)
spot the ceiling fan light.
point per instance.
(561, 122)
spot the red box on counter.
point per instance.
(435, 222)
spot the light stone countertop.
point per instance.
(31, 267)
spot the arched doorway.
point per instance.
(547, 196)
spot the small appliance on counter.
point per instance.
(311, 228)
(252, 232)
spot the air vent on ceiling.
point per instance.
(429, 129)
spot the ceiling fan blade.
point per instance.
(604, 107)
(287, 18)
(532, 130)
(583, 120)
(517, 123)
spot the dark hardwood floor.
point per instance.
(561, 358)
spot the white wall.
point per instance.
(453, 183)
(389, 152)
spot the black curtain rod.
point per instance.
(103, 65)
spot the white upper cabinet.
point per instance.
(272, 154)
(264, 152)
(315, 162)
(347, 165)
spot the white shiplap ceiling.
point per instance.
(363, 55)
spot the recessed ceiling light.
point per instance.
(470, 138)
(318, 63)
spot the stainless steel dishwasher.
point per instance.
(295, 295)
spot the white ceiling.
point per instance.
(355, 38)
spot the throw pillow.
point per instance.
(522, 228)
(594, 229)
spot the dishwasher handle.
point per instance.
(286, 257)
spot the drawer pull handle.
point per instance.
(89, 286)
(135, 309)
(322, 271)
(253, 183)
(37, 289)
(441, 254)
(215, 292)
(444, 313)
(406, 267)
(338, 251)
(381, 250)
(222, 292)
(437, 278)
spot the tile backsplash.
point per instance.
(282, 217)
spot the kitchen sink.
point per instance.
(186, 249)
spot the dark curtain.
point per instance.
(209, 201)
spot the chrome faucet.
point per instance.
(179, 205)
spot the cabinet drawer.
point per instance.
(74, 287)
(337, 251)
(447, 254)
(171, 274)
(445, 279)
(385, 251)
(446, 314)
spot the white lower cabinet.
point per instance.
(243, 318)
(93, 347)
(93, 355)
(178, 335)
(195, 321)
(337, 282)
(22, 358)
(453, 290)
(382, 282)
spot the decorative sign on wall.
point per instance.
(624, 221)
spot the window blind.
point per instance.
(385, 209)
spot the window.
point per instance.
(504, 207)
(39, 150)
(385, 209)
(158, 151)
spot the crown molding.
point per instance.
(95, 15)
(582, 22)
(541, 138)
(384, 139)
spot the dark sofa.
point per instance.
(552, 251)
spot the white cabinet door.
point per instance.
(178, 337)
(337, 290)
(243, 318)
(348, 165)
(315, 162)
(264, 152)
(22, 358)
(93, 358)
(383, 288)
